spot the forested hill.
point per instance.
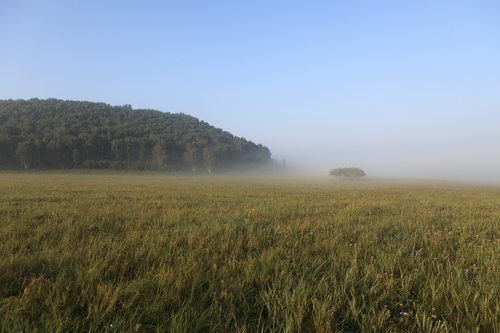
(58, 134)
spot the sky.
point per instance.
(397, 88)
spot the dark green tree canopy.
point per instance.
(58, 134)
(347, 173)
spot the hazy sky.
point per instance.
(404, 88)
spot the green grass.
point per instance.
(145, 252)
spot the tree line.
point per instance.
(59, 134)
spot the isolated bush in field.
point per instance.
(347, 173)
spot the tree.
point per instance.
(208, 158)
(160, 154)
(24, 153)
(191, 158)
(347, 173)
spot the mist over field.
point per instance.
(481, 165)
(399, 89)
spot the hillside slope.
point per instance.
(58, 134)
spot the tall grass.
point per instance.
(144, 253)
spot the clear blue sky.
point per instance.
(404, 88)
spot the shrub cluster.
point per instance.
(347, 173)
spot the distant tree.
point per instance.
(160, 154)
(76, 158)
(24, 152)
(191, 158)
(337, 173)
(347, 173)
(208, 158)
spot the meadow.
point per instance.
(152, 252)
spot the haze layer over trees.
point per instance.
(58, 134)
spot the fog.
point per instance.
(396, 88)
(481, 164)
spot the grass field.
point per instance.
(102, 252)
